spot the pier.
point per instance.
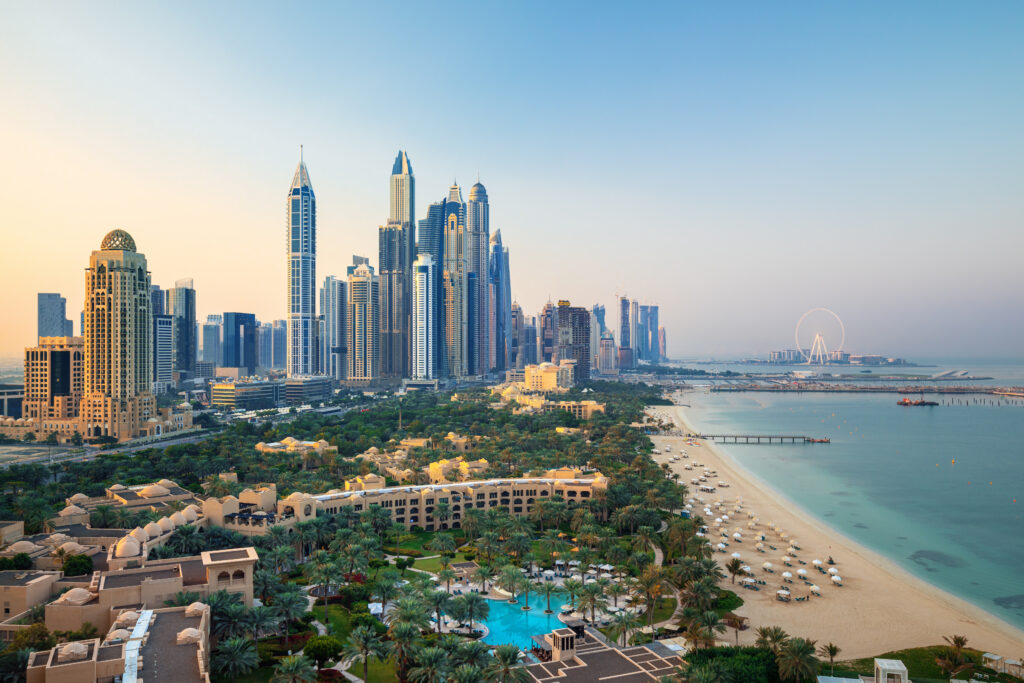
(761, 438)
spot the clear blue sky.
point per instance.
(737, 163)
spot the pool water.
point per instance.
(510, 623)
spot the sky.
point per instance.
(736, 163)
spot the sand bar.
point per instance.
(879, 607)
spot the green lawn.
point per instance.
(920, 663)
(418, 541)
(665, 608)
(433, 564)
(338, 617)
(261, 675)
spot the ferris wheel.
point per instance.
(820, 329)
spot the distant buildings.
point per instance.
(51, 313)
(478, 296)
(363, 326)
(500, 292)
(424, 305)
(301, 250)
(455, 267)
(54, 372)
(333, 310)
(572, 325)
(240, 345)
(396, 251)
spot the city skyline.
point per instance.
(768, 169)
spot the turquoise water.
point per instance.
(510, 623)
(888, 480)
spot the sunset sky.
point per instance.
(736, 163)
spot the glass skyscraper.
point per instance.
(301, 249)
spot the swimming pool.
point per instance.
(510, 623)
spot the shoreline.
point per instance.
(881, 606)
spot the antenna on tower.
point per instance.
(300, 153)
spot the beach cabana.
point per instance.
(721, 547)
(747, 580)
(745, 568)
(738, 536)
(782, 595)
(787, 575)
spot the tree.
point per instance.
(76, 439)
(36, 637)
(442, 512)
(476, 607)
(294, 669)
(466, 673)
(734, 567)
(290, 606)
(623, 622)
(405, 638)
(363, 643)
(431, 665)
(505, 668)
(953, 660)
(183, 599)
(771, 638)
(482, 575)
(323, 648)
(443, 543)
(830, 651)
(437, 601)
(547, 589)
(446, 575)
(235, 657)
(77, 565)
(797, 661)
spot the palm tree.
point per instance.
(437, 601)
(797, 661)
(592, 597)
(262, 619)
(546, 589)
(476, 607)
(442, 512)
(504, 668)
(410, 611)
(447, 575)
(572, 587)
(830, 650)
(385, 591)
(279, 557)
(482, 575)
(182, 599)
(362, 644)
(953, 661)
(466, 673)
(431, 665)
(650, 586)
(734, 567)
(405, 638)
(443, 543)
(290, 606)
(771, 638)
(508, 580)
(235, 657)
(623, 622)
(616, 590)
(474, 653)
(294, 669)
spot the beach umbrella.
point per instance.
(782, 591)
(751, 525)
(791, 550)
(549, 572)
(606, 575)
(783, 536)
(833, 571)
(815, 588)
(737, 536)
(736, 555)
(747, 580)
(801, 572)
(817, 563)
(699, 535)
(721, 546)
(786, 558)
(745, 568)
(767, 565)
(836, 578)
(759, 545)
(725, 517)
(566, 608)
(787, 575)
(718, 520)
(689, 507)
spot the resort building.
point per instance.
(391, 464)
(11, 531)
(160, 496)
(459, 444)
(584, 410)
(549, 377)
(22, 590)
(571, 655)
(166, 645)
(456, 469)
(290, 444)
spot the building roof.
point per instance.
(301, 178)
(119, 579)
(165, 660)
(15, 577)
(117, 240)
(402, 165)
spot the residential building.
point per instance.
(662, 344)
(599, 313)
(547, 334)
(500, 329)
(181, 305)
(280, 341)
(624, 324)
(51, 315)
(431, 242)
(265, 346)
(572, 334)
(424, 319)
(333, 309)
(163, 351)
(634, 329)
(54, 379)
(477, 238)
(653, 328)
(515, 336)
(607, 356)
(240, 344)
(363, 325)
(454, 294)
(549, 377)
(455, 469)
(12, 396)
(528, 346)
(395, 246)
(212, 335)
(301, 250)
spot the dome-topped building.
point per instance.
(118, 240)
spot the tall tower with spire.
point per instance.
(478, 229)
(301, 250)
(396, 251)
(454, 290)
(501, 304)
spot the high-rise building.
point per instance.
(241, 342)
(163, 351)
(662, 344)
(212, 333)
(118, 368)
(158, 300)
(643, 332)
(53, 379)
(333, 309)
(607, 357)
(280, 344)
(572, 333)
(599, 312)
(181, 305)
(515, 346)
(547, 334)
(528, 346)
(51, 314)
(424, 318)
(363, 325)
(395, 246)
(454, 287)
(634, 330)
(431, 241)
(403, 191)
(654, 329)
(624, 325)
(501, 304)
(301, 249)
(265, 344)
(477, 246)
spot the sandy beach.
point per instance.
(879, 607)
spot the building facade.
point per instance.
(241, 342)
(363, 325)
(333, 310)
(181, 305)
(424, 307)
(51, 316)
(573, 336)
(301, 250)
(54, 379)
(477, 248)
(455, 354)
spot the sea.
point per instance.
(938, 490)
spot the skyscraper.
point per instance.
(547, 334)
(624, 326)
(654, 331)
(515, 355)
(280, 344)
(53, 379)
(662, 344)
(634, 330)
(51, 314)
(573, 335)
(241, 342)
(181, 305)
(363, 325)
(599, 313)
(333, 308)
(212, 333)
(431, 241)
(301, 249)
(424, 307)
(265, 342)
(477, 244)
(454, 285)
(396, 251)
(163, 351)
(643, 332)
(501, 302)
(118, 367)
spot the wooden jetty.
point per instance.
(761, 438)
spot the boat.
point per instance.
(920, 402)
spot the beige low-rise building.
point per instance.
(163, 645)
(455, 469)
(21, 590)
(584, 410)
(459, 444)
(160, 496)
(365, 482)
(290, 444)
(391, 464)
(11, 531)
